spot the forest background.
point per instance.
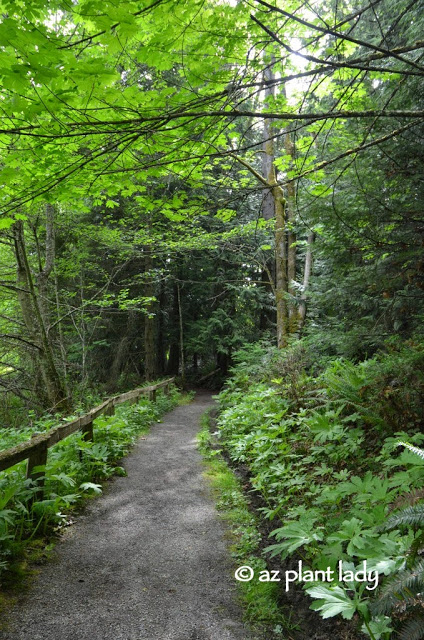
(168, 172)
(182, 179)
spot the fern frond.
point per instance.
(412, 516)
(413, 629)
(408, 445)
(402, 588)
(407, 499)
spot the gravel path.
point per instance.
(145, 561)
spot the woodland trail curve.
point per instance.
(147, 560)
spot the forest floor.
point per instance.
(148, 560)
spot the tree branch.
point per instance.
(233, 113)
(10, 336)
(253, 171)
(341, 36)
(112, 27)
(358, 63)
(357, 149)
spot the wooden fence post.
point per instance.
(37, 458)
(110, 409)
(87, 435)
(36, 451)
(88, 432)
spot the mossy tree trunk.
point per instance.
(50, 385)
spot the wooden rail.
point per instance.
(35, 450)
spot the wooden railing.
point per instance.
(35, 450)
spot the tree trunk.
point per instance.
(223, 363)
(150, 360)
(160, 342)
(60, 330)
(281, 280)
(280, 267)
(149, 346)
(291, 242)
(118, 363)
(268, 205)
(195, 362)
(43, 275)
(267, 318)
(24, 299)
(35, 321)
(173, 364)
(306, 278)
(180, 315)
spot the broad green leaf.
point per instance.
(332, 601)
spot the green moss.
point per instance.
(259, 600)
(186, 397)
(7, 601)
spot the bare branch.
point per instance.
(358, 149)
(11, 336)
(341, 35)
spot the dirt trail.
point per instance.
(145, 561)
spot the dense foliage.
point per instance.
(321, 449)
(241, 170)
(75, 469)
(182, 179)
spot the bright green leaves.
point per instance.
(155, 58)
(320, 190)
(335, 600)
(225, 214)
(316, 469)
(332, 601)
(6, 223)
(111, 204)
(91, 486)
(58, 82)
(352, 532)
(295, 535)
(379, 627)
(94, 72)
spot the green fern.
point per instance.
(408, 445)
(401, 590)
(412, 516)
(413, 629)
(346, 381)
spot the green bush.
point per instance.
(325, 457)
(75, 468)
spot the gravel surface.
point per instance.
(145, 561)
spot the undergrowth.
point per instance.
(259, 599)
(74, 472)
(322, 449)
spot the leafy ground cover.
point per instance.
(321, 446)
(260, 600)
(75, 470)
